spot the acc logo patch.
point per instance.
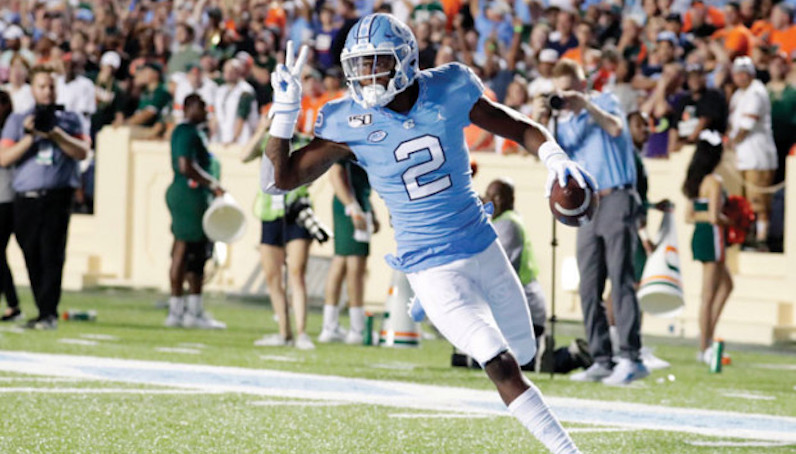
(377, 136)
(356, 121)
(319, 120)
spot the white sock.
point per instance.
(357, 315)
(176, 305)
(195, 304)
(762, 230)
(532, 411)
(331, 317)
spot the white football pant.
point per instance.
(479, 305)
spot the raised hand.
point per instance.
(286, 82)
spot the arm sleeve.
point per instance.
(511, 240)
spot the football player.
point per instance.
(404, 127)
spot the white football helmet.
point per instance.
(378, 46)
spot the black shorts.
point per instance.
(196, 254)
(279, 232)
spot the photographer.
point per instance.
(44, 145)
(591, 128)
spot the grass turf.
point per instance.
(80, 422)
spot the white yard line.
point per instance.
(748, 396)
(284, 359)
(78, 391)
(438, 416)
(84, 342)
(187, 351)
(296, 403)
(428, 398)
(99, 337)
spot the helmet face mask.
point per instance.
(380, 60)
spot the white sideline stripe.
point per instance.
(101, 391)
(749, 396)
(738, 444)
(187, 351)
(443, 399)
(597, 429)
(284, 359)
(85, 342)
(192, 345)
(439, 416)
(41, 379)
(12, 329)
(393, 366)
(775, 366)
(296, 403)
(99, 337)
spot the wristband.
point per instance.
(518, 29)
(283, 124)
(353, 209)
(551, 152)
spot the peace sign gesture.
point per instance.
(286, 82)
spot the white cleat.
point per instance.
(303, 342)
(328, 336)
(173, 320)
(273, 340)
(201, 321)
(626, 371)
(353, 338)
(595, 373)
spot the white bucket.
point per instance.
(398, 329)
(661, 287)
(224, 220)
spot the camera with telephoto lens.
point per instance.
(44, 118)
(555, 102)
(301, 213)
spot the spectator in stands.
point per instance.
(187, 199)
(235, 106)
(315, 96)
(622, 86)
(753, 141)
(7, 288)
(186, 50)
(353, 224)
(12, 43)
(659, 107)
(594, 134)
(325, 33)
(699, 109)
(783, 110)
(707, 197)
(666, 47)
(563, 38)
(44, 150)
(17, 86)
(154, 101)
(189, 82)
(778, 29)
(109, 96)
(76, 91)
(737, 39)
(585, 35)
(542, 84)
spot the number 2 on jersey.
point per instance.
(412, 175)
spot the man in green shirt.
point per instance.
(154, 101)
(188, 199)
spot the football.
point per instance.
(573, 205)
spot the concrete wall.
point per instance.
(127, 241)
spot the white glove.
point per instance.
(286, 82)
(559, 166)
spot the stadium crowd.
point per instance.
(685, 70)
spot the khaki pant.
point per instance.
(760, 201)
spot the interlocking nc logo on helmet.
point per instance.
(374, 36)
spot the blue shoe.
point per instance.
(626, 371)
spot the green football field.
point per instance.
(125, 384)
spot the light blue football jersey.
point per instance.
(420, 166)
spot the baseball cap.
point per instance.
(694, 68)
(111, 59)
(85, 15)
(744, 64)
(548, 56)
(667, 36)
(13, 32)
(674, 17)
